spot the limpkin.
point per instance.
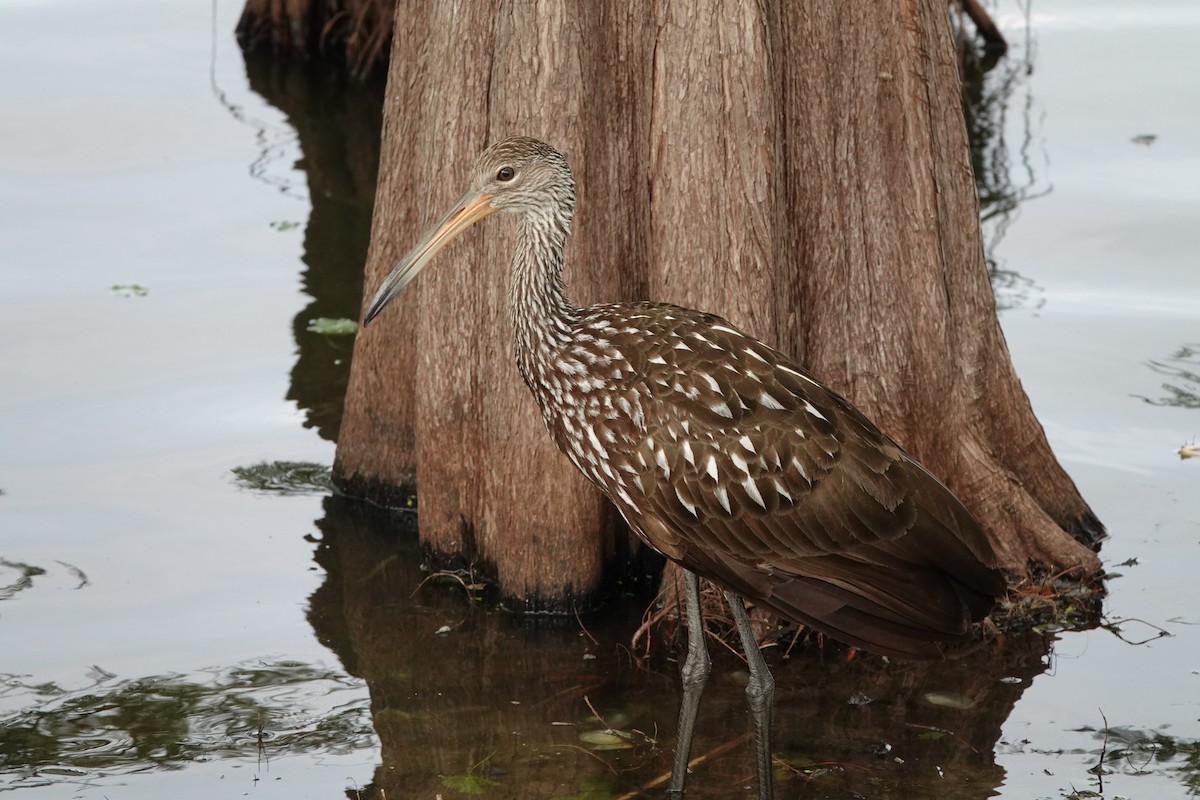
(724, 455)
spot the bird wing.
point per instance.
(752, 473)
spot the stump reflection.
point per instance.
(499, 704)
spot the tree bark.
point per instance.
(801, 169)
(493, 488)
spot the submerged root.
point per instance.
(1038, 601)
(666, 616)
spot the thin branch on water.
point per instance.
(1098, 770)
(720, 749)
(583, 627)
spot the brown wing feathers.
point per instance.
(778, 489)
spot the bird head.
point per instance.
(518, 175)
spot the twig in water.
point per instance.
(1098, 770)
(596, 713)
(695, 762)
(583, 627)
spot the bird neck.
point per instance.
(541, 314)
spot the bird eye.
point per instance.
(505, 174)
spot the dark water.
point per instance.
(455, 686)
(185, 611)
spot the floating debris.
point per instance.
(24, 580)
(128, 290)
(330, 326)
(468, 784)
(607, 739)
(950, 700)
(285, 477)
(1145, 139)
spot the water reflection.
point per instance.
(994, 89)
(1134, 752)
(115, 727)
(1182, 368)
(17, 577)
(337, 123)
(462, 698)
(461, 693)
(284, 477)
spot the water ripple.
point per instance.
(252, 711)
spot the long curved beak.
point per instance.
(469, 209)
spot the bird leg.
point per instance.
(696, 668)
(760, 691)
